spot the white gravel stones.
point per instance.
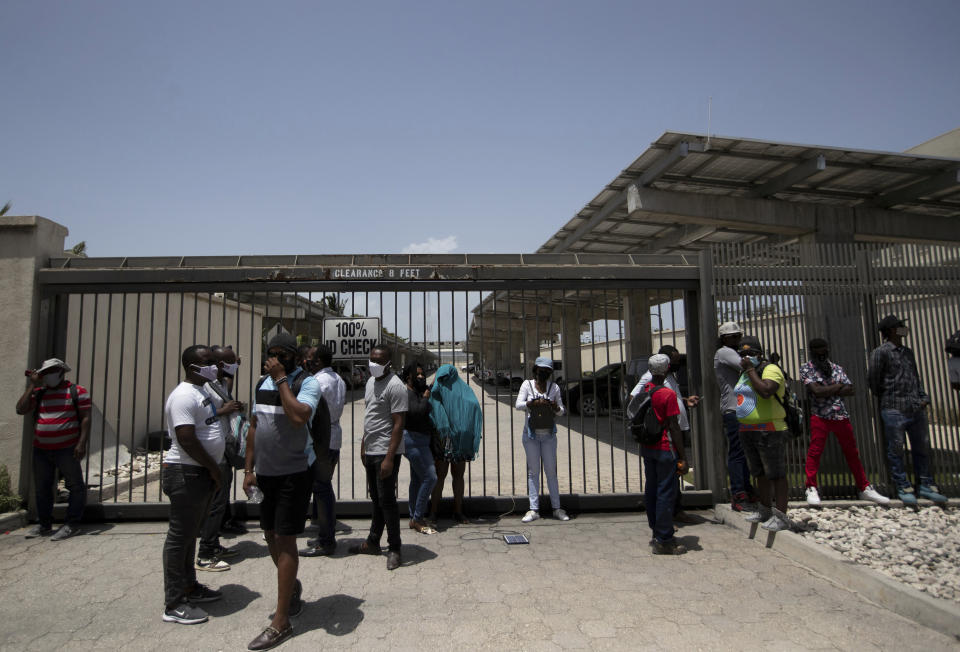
(921, 549)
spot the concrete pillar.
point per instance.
(26, 244)
(570, 343)
(636, 322)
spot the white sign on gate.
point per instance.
(351, 339)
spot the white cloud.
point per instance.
(432, 246)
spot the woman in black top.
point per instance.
(416, 444)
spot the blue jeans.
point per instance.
(896, 425)
(45, 462)
(736, 460)
(541, 448)
(423, 473)
(660, 491)
(324, 498)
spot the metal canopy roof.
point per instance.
(753, 170)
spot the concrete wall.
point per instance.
(26, 244)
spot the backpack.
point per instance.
(791, 407)
(645, 427)
(235, 439)
(319, 426)
(542, 417)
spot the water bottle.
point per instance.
(254, 495)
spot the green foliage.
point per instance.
(6, 207)
(9, 501)
(79, 249)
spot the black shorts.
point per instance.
(766, 452)
(285, 502)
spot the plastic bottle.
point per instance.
(254, 495)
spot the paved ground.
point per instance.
(590, 583)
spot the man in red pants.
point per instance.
(828, 383)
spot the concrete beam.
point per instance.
(788, 218)
(923, 188)
(794, 175)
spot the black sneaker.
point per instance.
(317, 550)
(223, 553)
(201, 593)
(38, 531)
(233, 527)
(185, 614)
(670, 548)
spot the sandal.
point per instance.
(422, 527)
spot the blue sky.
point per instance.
(377, 127)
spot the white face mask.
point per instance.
(902, 331)
(54, 379)
(376, 370)
(208, 372)
(230, 369)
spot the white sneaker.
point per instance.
(871, 494)
(813, 497)
(761, 515)
(530, 516)
(560, 515)
(777, 522)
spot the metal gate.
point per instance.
(123, 323)
(789, 294)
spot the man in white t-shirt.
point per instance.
(190, 476)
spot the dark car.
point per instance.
(600, 392)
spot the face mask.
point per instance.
(230, 369)
(674, 367)
(543, 374)
(377, 370)
(821, 359)
(754, 360)
(902, 331)
(208, 372)
(54, 379)
(420, 384)
(289, 364)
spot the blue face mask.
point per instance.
(754, 360)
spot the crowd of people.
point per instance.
(288, 445)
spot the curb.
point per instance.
(13, 520)
(941, 615)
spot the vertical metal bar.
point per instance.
(596, 401)
(146, 456)
(133, 404)
(106, 376)
(496, 393)
(618, 389)
(626, 398)
(579, 348)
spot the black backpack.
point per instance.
(645, 427)
(319, 426)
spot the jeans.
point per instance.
(423, 473)
(324, 498)
(45, 462)
(383, 494)
(541, 448)
(820, 429)
(210, 529)
(895, 425)
(190, 489)
(660, 488)
(736, 460)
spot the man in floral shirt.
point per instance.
(827, 383)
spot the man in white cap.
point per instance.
(62, 416)
(664, 460)
(726, 366)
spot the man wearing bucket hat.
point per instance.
(62, 416)
(895, 380)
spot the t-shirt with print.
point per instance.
(191, 405)
(58, 422)
(383, 398)
(280, 447)
(755, 412)
(664, 404)
(831, 408)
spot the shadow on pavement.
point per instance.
(93, 529)
(236, 597)
(337, 614)
(414, 554)
(690, 542)
(250, 550)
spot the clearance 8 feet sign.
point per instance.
(351, 338)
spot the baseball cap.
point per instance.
(544, 362)
(891, 321)
(730, 328)
(750, 343)
(283, 341)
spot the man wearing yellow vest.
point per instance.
(763, 432)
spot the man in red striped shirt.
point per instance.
(61, 411)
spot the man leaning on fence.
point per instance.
(62, 426)
(895, 380)
(827, 383)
